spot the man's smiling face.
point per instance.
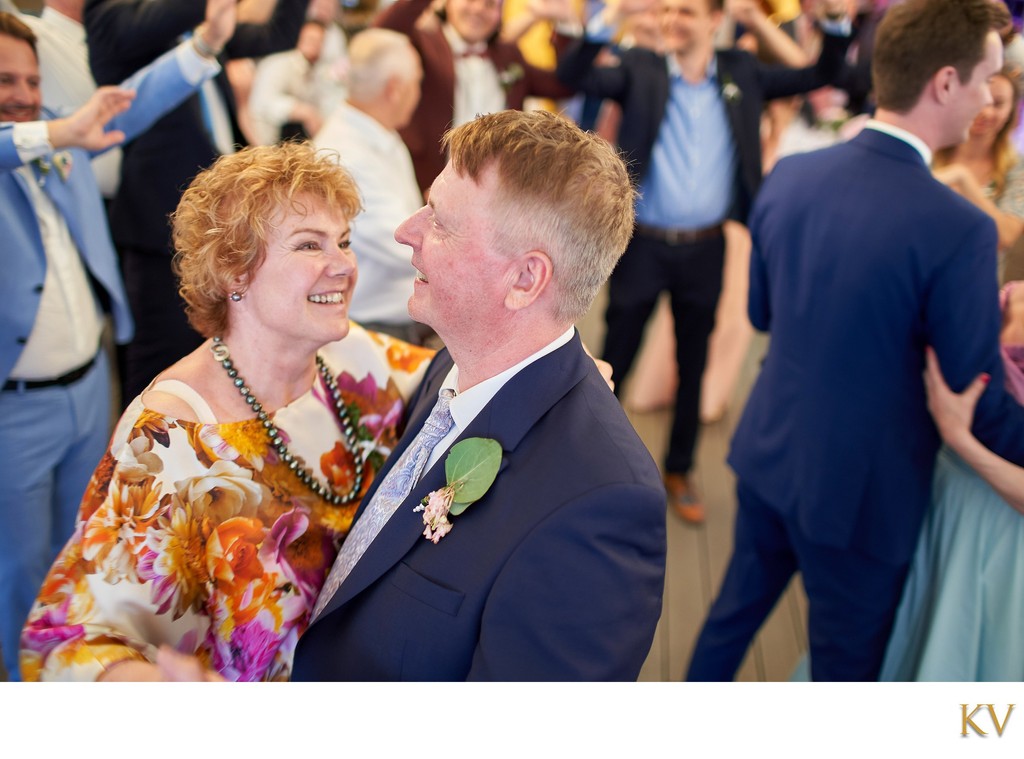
(20, 96)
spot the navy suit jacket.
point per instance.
(556, 573)
(861, 259)
(640, 84)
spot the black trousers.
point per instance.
(162, 331)
(692, 275)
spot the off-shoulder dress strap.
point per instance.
(184, 392)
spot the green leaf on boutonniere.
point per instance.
(471, 467)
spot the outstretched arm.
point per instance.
(778, 45)
(959, 178)
(953, 413)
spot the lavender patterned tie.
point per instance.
(395, 488)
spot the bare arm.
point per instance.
(953, 413)
(170, 666)
(536, 11)
(774, 42)
(959, 178)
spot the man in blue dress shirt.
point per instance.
(691, 129)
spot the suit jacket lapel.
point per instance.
(507, 418)
(733, 106)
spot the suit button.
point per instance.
(22, 340)
(37, 288)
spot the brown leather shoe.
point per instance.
(683, 499)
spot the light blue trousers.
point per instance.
(51, 440)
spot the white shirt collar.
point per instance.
(902, 134)
(469, 403)
(458, 45)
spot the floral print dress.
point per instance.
(197, 536)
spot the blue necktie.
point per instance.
(395, 488)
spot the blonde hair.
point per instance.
(1004, 155)
(222, 222)
(562, 190)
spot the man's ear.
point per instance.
(531, 278)
(944, 84)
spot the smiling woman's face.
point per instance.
(302, 290)
(992, 118)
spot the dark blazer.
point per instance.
(125, 35)
(434, 113)
(640, 84)
(861, 259)
(555, 574)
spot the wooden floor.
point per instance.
(697, 556)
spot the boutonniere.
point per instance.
(44, 168)
(62, 163)
(510, 75)
(730, 90)
(470, 468)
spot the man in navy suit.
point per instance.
(60, 274)
(557, 572)
(691, 129)
(861, 260)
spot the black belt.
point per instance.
(680, 236)
(63, 380)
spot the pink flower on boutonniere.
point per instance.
(471, 466)
(435, 513)
(62, 163)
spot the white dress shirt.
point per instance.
(67, 82)
(380, 164)
(467, 404)
(478, 89)
(66, 332)
(67, 328)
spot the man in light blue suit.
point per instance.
(60, 275)
(861, 260)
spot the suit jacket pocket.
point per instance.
(412, 583)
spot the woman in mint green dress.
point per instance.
(962, 613)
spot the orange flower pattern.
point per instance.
(197, 536)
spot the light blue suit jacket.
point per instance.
(159, 87)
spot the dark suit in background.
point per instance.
(686, 263)
(860, 260)
(123, 36)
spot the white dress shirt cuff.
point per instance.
(31, 140)
(195, 67)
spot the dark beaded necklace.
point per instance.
(222, 355)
